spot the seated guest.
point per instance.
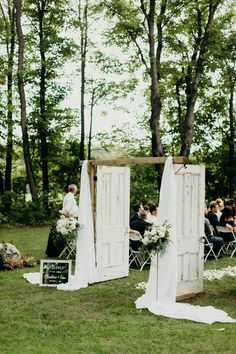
(137, 208)
(227, 218)
(215, 240)
(150, 202)
(220, 203)
(139, 225)
(153, 215)
(212, 215)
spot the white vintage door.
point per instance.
(112, 222)
(190, 227)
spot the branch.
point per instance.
(203, 45)
(144, 10)
(160, 34)
(130, 33)
(138, 48)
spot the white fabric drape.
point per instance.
(160, 294)
(85, 271)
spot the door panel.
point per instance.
(112, 221)
(190, 227)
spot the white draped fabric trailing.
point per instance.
(160, 295)
(85, 271)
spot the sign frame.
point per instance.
(68, 264)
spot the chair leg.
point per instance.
(233, 252)
(211, 251)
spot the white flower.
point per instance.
(66, 226)
(145, 240)
(153, 231)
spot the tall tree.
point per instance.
(49, 49)
(155, 35)
(42, 122)
(83, 25)
(9, 20)
(21, 88)
(195, 70)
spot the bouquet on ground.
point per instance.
(67, 228)
(156, 239)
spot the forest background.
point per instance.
(69, 68)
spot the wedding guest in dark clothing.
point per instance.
(212, 215)
(139, 225)
(227, 218)
(137, 208)
(215, 240)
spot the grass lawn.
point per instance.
(102, 318)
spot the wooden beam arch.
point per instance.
(92, 164)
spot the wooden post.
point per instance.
(92, 173)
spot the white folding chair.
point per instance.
(208, 248)
(135, 256)
(227, 244)
(69, 249)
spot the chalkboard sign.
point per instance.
(54, 272)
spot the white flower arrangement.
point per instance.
(156, 239)
(67, 228)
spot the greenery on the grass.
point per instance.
(102, 318)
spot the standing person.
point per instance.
(70, 206)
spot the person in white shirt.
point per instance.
(70, 206)
(220, 203)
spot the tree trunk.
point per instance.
(20, 78)
(231, 142)
(193, 81)
(180, 117)
(42, 124)
(83, 51)
(10, 43)
(1, 183)
(154, 58)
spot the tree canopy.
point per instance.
(177, 58)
